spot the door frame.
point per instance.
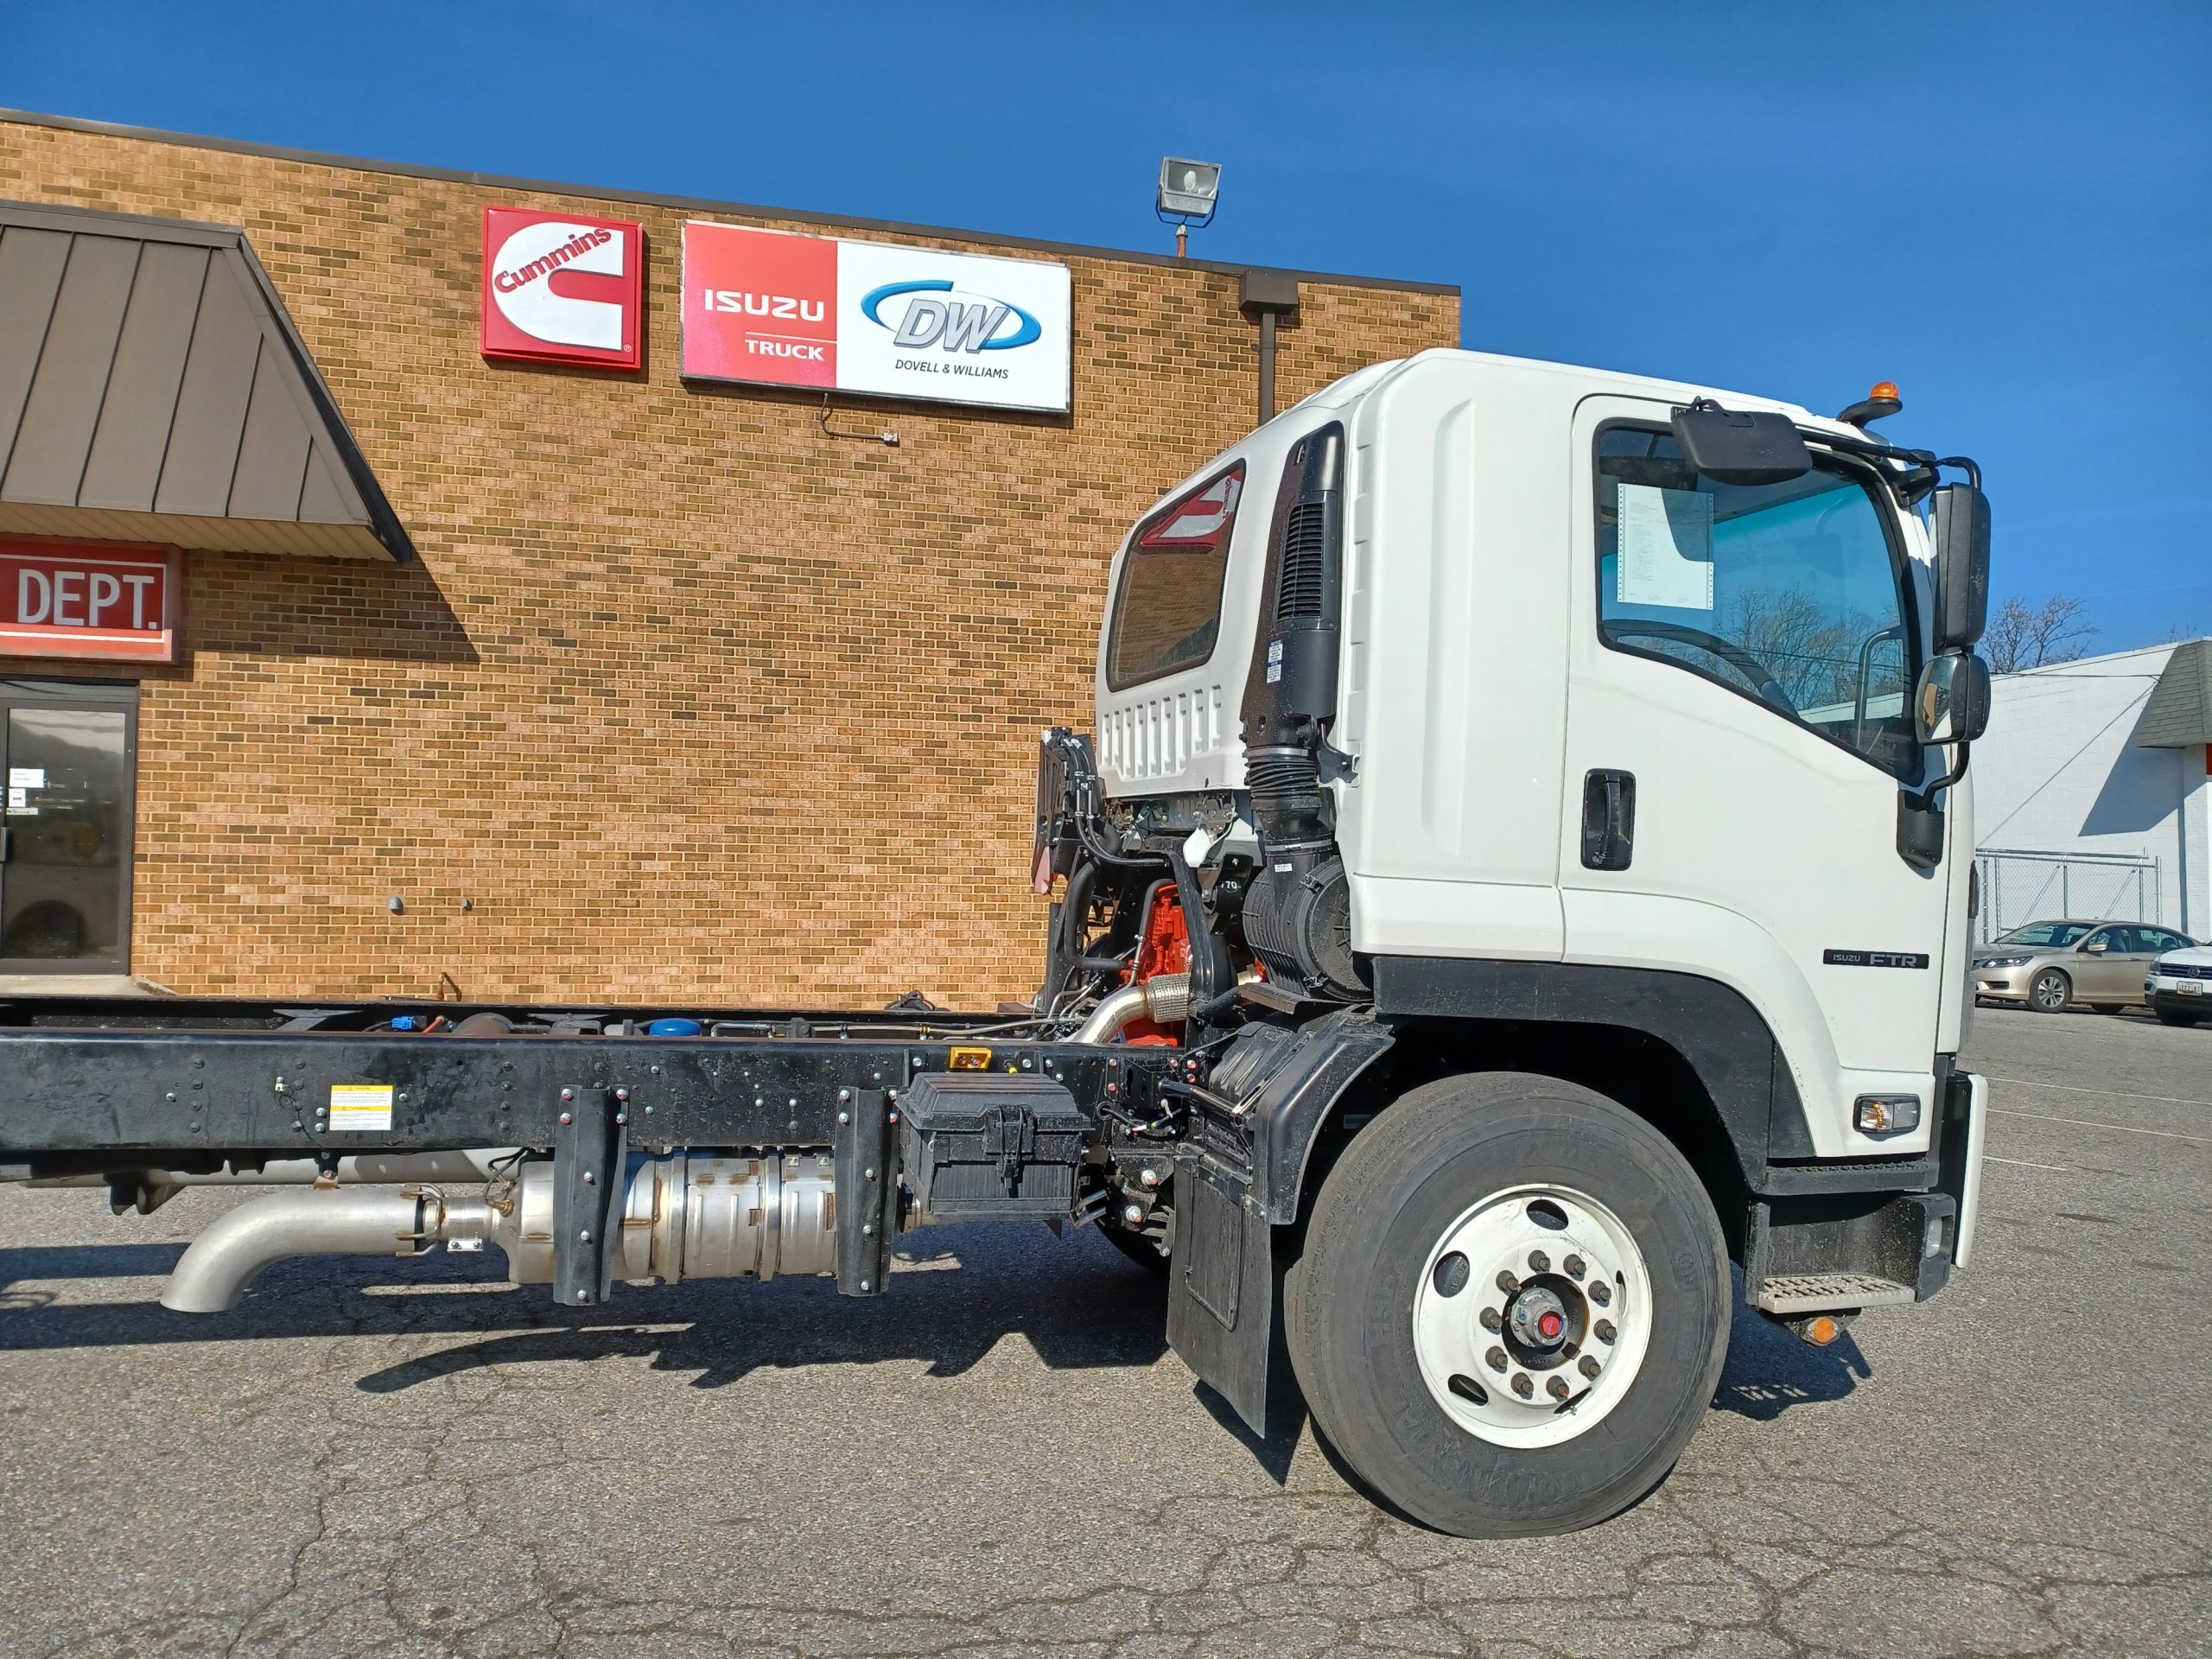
(122, 694)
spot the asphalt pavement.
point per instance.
(1002, 1457)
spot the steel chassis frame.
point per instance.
(89, 1084)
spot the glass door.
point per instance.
(71, 758)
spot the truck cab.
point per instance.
(1542, 728)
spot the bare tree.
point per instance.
(2018, 638)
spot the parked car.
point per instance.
(2178, 986)
(2045, 965)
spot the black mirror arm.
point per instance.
(1924, 799)
(1966, 466)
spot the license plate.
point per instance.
(2190, 988)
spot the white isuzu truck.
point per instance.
(1522, 869)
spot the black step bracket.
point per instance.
(590, 1162)
(865, 1161)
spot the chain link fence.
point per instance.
(2019, 887)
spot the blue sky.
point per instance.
(2007, 209)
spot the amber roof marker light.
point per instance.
(1882, 402)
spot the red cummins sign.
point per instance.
(560, 288)
(109, 600)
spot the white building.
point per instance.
(2090, 791)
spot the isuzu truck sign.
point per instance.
(559, 287)
(773, 308)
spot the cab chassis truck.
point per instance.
(1522, 870)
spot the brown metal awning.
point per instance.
(2179, 713)
(153, 389)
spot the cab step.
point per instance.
(1811, 1292)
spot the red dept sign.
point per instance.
(105, 600)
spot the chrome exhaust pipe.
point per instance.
(211, 1276)
(1164, 999)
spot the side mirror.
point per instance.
(1741, 446)
(1958, 527)
(2094, 948)
(1951, 703)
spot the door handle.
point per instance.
(1608, 819)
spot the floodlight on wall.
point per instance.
(1189, 193)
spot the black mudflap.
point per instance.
(1221, 1301)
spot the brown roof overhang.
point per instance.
(152, 388)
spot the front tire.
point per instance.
(2051, 991)
(1395, 1326)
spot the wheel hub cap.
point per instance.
(1533, 1315)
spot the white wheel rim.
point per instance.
(1539, 1236)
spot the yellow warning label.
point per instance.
(360, 1106)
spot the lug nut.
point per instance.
(1133, 1214)
(1523, 1386)
(1539, 1263)
(1148, 1178)
(1603, 1331)
(1507, 1282)
(1557, 1388)
(1491, 1320)
(1574, 1266)
(1495, 1359)
(1589, 1367)
(1600, 1292)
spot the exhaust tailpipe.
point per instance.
(211, 1276)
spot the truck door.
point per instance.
(1738, 734)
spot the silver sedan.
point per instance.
(2046, 965)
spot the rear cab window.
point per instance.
(1167, 608)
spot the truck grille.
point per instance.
(2180, 971)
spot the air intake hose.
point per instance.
(1298, 914)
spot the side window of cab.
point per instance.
(1167, 609)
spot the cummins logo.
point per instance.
(561, 288)
(934, 317)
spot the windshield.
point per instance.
(1792, 594)
(2047, 933)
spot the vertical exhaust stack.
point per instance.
(1298, 912)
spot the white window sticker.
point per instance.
(1665, 548)
(360, 1106)
(27, 777)
(18, 798)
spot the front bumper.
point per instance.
(1841, 1253)
(2005, 984)
(2177, 995)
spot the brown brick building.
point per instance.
(682, 697)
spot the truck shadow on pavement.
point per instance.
(1768, 1370)
(955, 1294)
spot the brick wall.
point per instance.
(688, 700)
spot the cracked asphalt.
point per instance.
(1002, 1457)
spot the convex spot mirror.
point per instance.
(1741, 446)
(1958, 524)
(1951, 703)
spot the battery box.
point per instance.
(981, 1146)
